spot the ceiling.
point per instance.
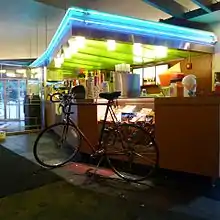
(95, 55)
(208, 18)
(23, 28)
(27, 26)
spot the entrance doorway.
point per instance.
(12, 94)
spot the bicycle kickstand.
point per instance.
(92, 172)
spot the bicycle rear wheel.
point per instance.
(56, 145)
(131, 152)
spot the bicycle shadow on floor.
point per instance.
(163, 190)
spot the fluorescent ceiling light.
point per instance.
(57, 62)
(111, 45)
(80, 41)
(73, 46)
(67, 52)
(160, 51)
(21, 71)
(137, 49)
(10, 74)
(137, 59)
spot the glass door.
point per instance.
(12, 100)
(22, 94)
(2, 102)
(12, 93)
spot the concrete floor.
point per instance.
(181, 195)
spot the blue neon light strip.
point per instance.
(101, 17)
(63, 28)
(104, 25)
(116, 23)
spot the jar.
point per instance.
(176, 87)
(144, 92)
(217, 82)
(217, 87)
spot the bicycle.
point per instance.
(149, 125)
(121, 151)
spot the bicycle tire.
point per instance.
(40, 136)
(123, 174)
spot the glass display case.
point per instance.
(130, 110)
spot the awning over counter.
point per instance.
(139, 31)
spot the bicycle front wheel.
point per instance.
(56, 145)
(131, 152)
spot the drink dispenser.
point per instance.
(127, 83)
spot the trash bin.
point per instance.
(32, 112)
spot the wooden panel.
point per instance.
(202, 68)
(188, 136)
(87, 122)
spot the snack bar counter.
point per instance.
(188, 135)
(89, 117)
(187, 130)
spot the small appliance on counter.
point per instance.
(126, 82)
(217, 83)
(176, 86)
(189, 84)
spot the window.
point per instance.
(148, 74)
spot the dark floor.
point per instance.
(30, 192)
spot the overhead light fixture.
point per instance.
(60, 56)
(137, 59)
(73, 46)
(57, 62)
(146, 60)
(80, 41)
(20, 71)
(149, 54)
(67, 52)
(2, 71)
(74, 50)
(137, 49)
(111, 44)
(10, 74)
(160, 51)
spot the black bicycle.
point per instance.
(129, 150)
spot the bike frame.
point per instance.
(109, 108)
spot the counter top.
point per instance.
(206, 100)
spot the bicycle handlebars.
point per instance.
(55, 94)
(65, 101)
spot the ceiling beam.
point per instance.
(185, 21)
(170, 7)
(204, 4)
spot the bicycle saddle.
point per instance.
(110, 95)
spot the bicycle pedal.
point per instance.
(98, 153)
(90, 172)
